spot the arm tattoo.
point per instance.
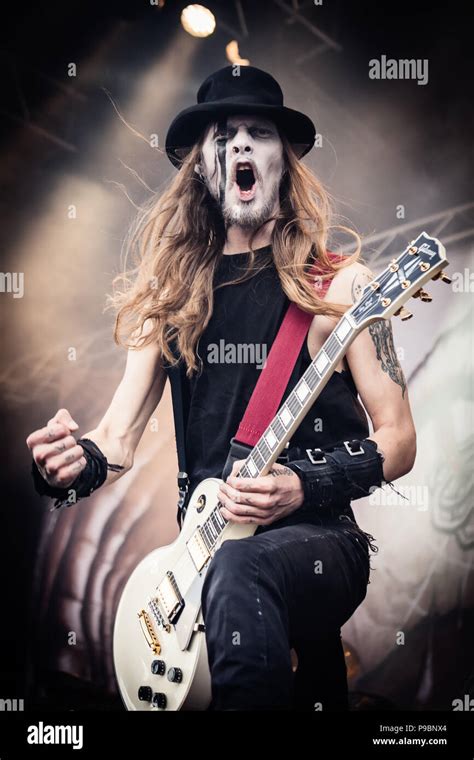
(382, 336)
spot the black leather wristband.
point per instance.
(334, 475)
(90, 479)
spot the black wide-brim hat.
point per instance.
(243, 90)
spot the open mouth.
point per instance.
(245, 180)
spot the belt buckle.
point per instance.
(183, 481)
(321, 458)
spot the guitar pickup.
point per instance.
(154, 608)
(198, 550)
(170, 597)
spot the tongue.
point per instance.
(246, 195)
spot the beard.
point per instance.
(248, 214)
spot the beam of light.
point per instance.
(198, 20)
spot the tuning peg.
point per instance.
(423, 294)
(443, 277)
(403, 313)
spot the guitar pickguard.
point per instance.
(192, 604)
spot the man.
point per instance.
(223, 252)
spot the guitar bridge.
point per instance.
(148, 632)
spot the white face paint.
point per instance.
(242, 164)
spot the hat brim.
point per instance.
(186, 129)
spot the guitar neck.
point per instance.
(306, 391)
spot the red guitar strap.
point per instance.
(268, 392)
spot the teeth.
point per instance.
(247, 179)
(244, 167)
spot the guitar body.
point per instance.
(142, 639)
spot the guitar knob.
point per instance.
(423, 295)
(175, 675)
(158, 667)
(443, 277)
(145, 693)
(159, 700)
(403, 313)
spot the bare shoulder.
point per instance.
(140, 333)
(345, 288)
(348, 284)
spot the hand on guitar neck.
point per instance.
(261, 500)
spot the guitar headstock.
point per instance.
(423, 260)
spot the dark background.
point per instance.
(397, 142)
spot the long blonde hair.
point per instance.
(177, 239)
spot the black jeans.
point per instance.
(286, 586)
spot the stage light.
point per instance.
(233, 55)
(198, 20)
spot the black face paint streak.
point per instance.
(221, 150)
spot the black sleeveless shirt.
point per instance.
(233, 347)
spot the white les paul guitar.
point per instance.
(159, 644)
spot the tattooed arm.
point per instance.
(379, 378)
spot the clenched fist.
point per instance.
(58, 456)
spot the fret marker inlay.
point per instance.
(271, 439)
(321, 362)
(343, 329)
(302, 390)
(252, 467)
